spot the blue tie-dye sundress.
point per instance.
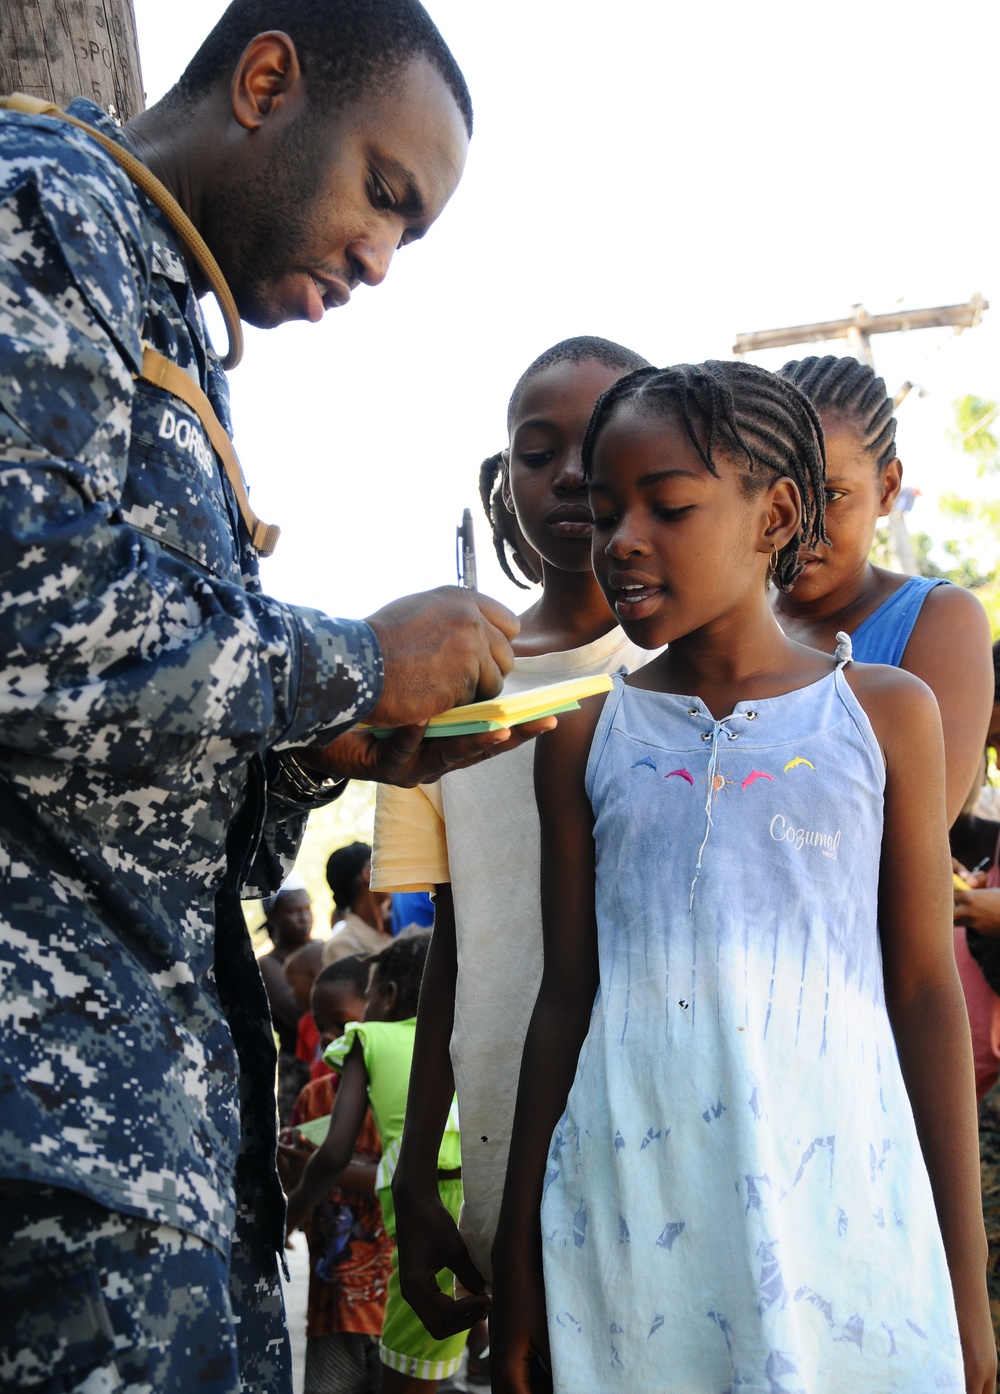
(735, 1198)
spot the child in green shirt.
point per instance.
(373, 1058)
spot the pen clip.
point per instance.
(465, 552)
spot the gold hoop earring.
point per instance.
(772, 565)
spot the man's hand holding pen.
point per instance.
(440, 649)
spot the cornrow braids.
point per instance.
(744, 412)
(502, 525)
(402, 963)
(851, 389)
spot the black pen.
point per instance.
(465, 552)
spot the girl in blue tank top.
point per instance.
(937, 631)
(744, 1155)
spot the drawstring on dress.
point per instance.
(713, 764)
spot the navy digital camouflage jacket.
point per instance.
(146, 687)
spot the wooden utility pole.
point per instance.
(61, 49)
(860, 326)
(857, 329)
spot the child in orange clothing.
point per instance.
(301, 969)
(349, 1250)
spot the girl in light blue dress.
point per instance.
(746, 1132)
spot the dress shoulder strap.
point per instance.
(844, 651)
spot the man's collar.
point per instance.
(97, 117)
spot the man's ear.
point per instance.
(784, 515)
(890, 485)
(266, 77)
(391, 991)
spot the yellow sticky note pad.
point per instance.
(515, 709)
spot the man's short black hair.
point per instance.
(346, 48)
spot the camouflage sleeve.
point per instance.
(292, 794)
(117, 652)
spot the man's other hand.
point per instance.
(440, 649)
(405, 758)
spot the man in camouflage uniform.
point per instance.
(164, 726)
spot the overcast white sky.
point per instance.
(659, 173)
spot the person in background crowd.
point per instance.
(976, 847)
(361, 918)
(412, 909)
(288, 920)
(974, 855)
(301, 970)
(350, 1253)
(374, 1058)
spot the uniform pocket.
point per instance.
(57, 1335)
(174, 490)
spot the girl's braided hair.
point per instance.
(755, 418)
(851, 390)
(507, 540)
(402, 963)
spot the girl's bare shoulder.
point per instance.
(949, 603)
(951, 631)
(565, 750)
(900, 706)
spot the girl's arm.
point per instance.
(292, 1160)
(557, 1030)
(426, 1235)
(326, 1166)
(950, 651)
(923, 992)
